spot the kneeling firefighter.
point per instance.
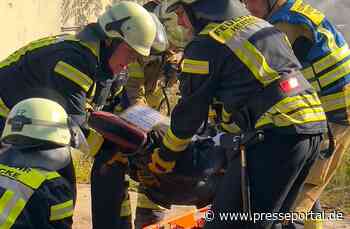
(324, 55)
(39, 137)
(246, 64)
(146, 82)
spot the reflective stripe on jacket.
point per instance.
(327, 65)
(18, 185)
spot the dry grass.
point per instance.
(337, 193)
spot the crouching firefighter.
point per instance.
(325, 57)
(146, 79)
(38, 139)
(246, 64)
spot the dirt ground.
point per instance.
(82, 214)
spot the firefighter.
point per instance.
(247, 65)
(38, 137)
(324, 55)
(144, 86)
(141, 85)
(65, 68)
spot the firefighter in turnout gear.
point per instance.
(143, 86)
(38, 134)
(325, 58)
(247, 65)
(66, 68)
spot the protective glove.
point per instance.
(159, 165)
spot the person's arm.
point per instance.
(73, 78)
(171, 66)
(197, 81)
(135, 84)
(51, 206)
(136, 91)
